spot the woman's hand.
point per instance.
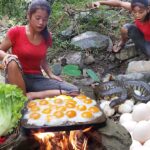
(52, 76)
(94, 5)
(7, 58)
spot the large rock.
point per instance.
(126, 53)
(115, 136)
(91, 39)
(138, 66)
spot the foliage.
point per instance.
(105, 21)
(93, 75)
(71, 70)
(13, 8)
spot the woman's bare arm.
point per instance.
(113, 3)
(4, 47)
(48, 71)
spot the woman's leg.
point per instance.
(124, 37)
(40, 87)
(14, 75)
(44, 94)
(138, 38)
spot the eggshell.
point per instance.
(148, 104)
(147, 143)
(126, 117)
(141, 132)
(145, 148)
(130, 102)
(103, 103)
(129, 125)
(124, 108)
(141, 112)
(135, 144)
(108, 111)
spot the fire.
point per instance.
(73, 140)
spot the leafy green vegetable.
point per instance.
(93, 75)
(11, 102)
(71, 70)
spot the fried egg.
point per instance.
(85, 116)
(95, 111)
(59, 117)
(81, 107)
(31, 104)
(35, 119)
(89, 102)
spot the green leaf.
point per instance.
(71, 70)
(93, 75)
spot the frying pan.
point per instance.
(96, 123)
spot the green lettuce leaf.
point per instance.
(11, 103)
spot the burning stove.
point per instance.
(68, 135)
(64, 140)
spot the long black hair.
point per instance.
(40, 4)
(143, 4)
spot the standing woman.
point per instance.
(29, 46)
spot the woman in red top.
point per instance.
(139, 32)
(29, 45)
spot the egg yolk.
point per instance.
(34, 116)
(58, 101)
(71, 113)
(58, 114)
(81, 107)
(87, 101)
(48, 118)
(70, 105)
(46, 111)
(43, 102)
(71, 101)
(94, 109)
(34, 108)
(31, 104)
(81, 97)
(87, 114)
(61, 108)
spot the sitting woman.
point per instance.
(29, 45)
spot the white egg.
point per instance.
(140, 133)
(148, 104)
(141, 112)
(135, 144)
(108, 111)
(130, 102)
(130, 125)
(147, 143)
(126, 117)
(145, 148)
(103, 103)
(124, 108)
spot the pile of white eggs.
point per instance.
(125, 107)
(137, 124)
